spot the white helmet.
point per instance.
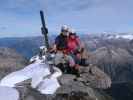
(64, 28)
(72, 31)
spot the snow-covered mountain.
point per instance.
(128, 36)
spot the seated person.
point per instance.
(61, 49)
(76, 48)
(61, 39)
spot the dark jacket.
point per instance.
(61, 42)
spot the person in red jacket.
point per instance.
(73, 42)
(76, 48)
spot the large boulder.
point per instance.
(71, 88)
(95, 77)
(73, 91)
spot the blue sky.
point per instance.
(21, 17)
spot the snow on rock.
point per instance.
(27, 73)
(8, 93)
(130, 37)
(36, 72)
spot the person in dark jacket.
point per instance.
(76, 49)
(61, 39)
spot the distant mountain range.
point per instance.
(29, 46)
(26, 46)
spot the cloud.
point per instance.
(59, 6)
(50, 6)
(22, 16)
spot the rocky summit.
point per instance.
(86, 87)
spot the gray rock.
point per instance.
(66, 79)
(94, 77)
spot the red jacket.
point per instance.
(73, 44)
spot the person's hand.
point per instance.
(51, 50)
(78, 55)
(77, 66)
(71, 64)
